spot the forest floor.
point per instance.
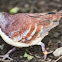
(52, 41)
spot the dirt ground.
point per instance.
(52, 41)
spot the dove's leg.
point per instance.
(44, 50)
(6, 56)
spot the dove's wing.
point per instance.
(24, 27)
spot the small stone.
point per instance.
(56, 34)
(21, 56)
(58, 52)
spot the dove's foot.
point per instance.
(6, 56)
(44, 51)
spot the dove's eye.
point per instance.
(51, 13)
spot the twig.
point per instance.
(58, 59)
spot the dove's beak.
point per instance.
(60, 14)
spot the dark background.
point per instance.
(52, 41)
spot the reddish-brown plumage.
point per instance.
(37, 34)
(32, 29)
(21, 26)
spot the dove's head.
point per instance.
(53, 19)
(56, 18)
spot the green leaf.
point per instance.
(14, 10)
(29, 57)
(26, 55)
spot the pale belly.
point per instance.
(8, 40)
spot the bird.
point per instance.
(27, 29)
